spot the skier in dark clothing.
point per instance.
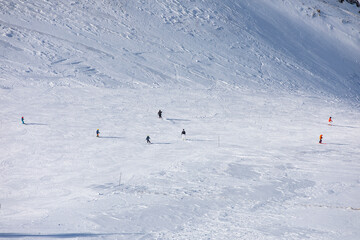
(160, 113)
(97, 133)
(183, 134)
(148, 139)
(22, 120)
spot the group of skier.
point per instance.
(183, 132)
(321, 136)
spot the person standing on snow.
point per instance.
(320, 138)
(330, 121)
(97, 133)
(22, 120)
(160, 114)
(148, 139)
(183, 135)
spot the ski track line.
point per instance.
(59, 38)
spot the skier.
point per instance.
(330, 120)
(160, 113)
(183, 135)
(321, 137)
(148, 139)
(22, 119)
(97, 133)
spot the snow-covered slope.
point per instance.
(252, 82)
(261, 43)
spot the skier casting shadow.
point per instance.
(38, 124)
(148, 140)
(183, 135)
(330, 121)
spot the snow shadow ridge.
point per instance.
(339, 144)
(174, 120)
(199, 140)
(62, 235)
(335, 125)
(37, 124)
(111, 137)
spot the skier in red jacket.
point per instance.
(330, 121)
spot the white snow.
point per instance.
(253, 83)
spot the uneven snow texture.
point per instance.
(252, 82)
(106, 43)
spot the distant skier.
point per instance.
(148, 139)
(97, 133)
(160, 114)
(183, 135)
(330, 121)
(320, 138)
(22, 120)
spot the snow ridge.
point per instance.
(268, 43)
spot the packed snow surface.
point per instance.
(253, 83)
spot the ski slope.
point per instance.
(253, 83)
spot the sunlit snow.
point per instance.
(253, 83)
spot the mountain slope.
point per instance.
(253, 83)
(277, 43)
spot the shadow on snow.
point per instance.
(174, 120)
(112, 137)
(335, 125)
(339, 144)
(199, 140)
(38, 124)
(62, 235)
